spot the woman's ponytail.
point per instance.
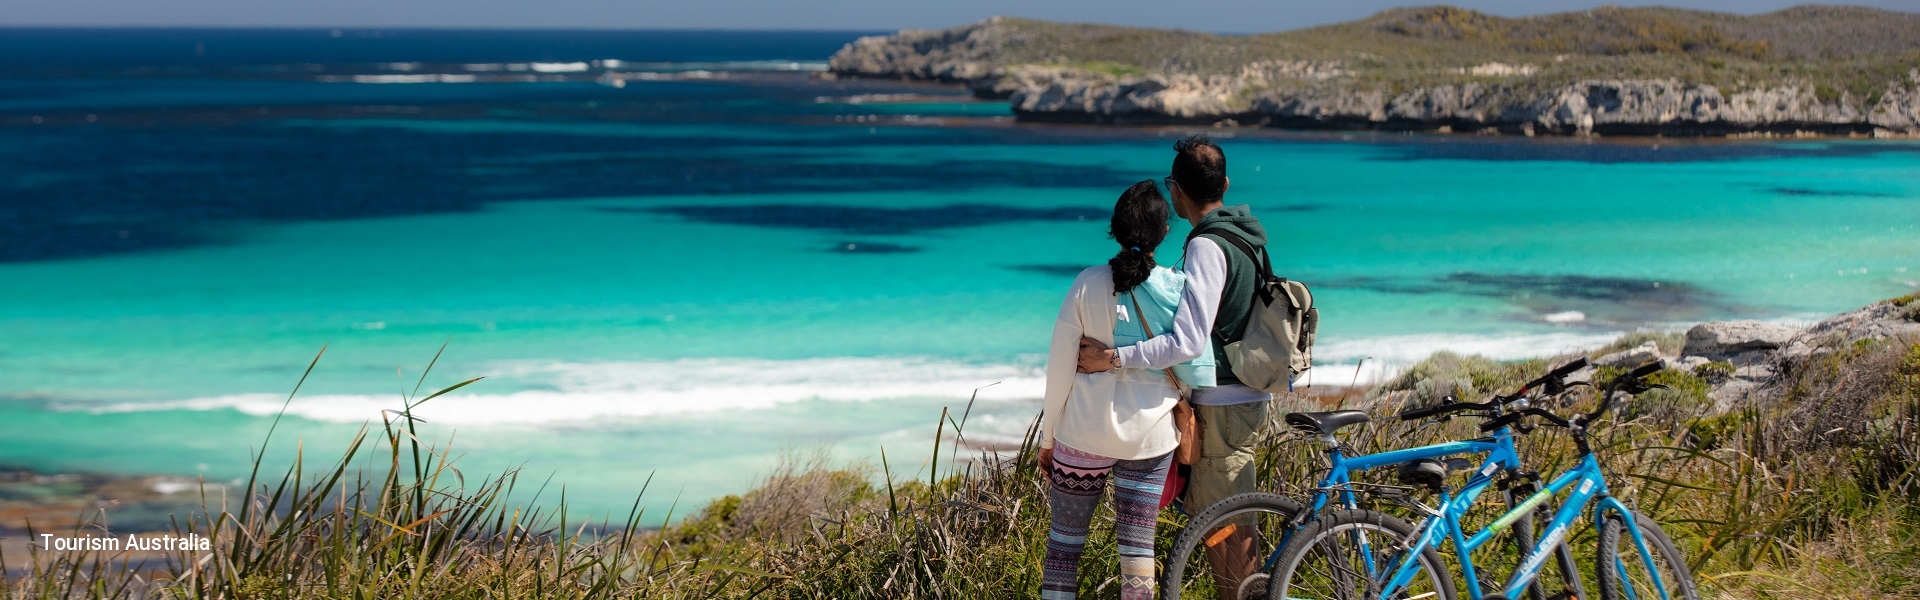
(1139, 224)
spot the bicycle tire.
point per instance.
(1323, 535)
(1675, 575)
(1185, 556)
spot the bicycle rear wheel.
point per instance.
(1626, 575)
(1347, 554)
(1189, 572)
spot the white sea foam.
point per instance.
(567, 67)
(733, 65)
(1559, 318)
(425, 78)
(577, 392)
(568, 392)
(1338, 361)
(865, 98)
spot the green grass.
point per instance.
(1810, 495)
(1841, 54)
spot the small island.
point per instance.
(1808, 70)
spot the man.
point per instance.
(1221, 281)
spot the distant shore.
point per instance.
(1802, 72)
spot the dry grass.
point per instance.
(1764, 505)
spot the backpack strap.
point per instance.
(1260, 260)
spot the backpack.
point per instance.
(1281, 324)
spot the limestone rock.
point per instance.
(1733, 393)
(1724, 339)
(1059, 92)
(1879, 321)
(1631, 357)
(1690, 363)
(959, 54)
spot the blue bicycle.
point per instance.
(1636, 560)
(1218, 554)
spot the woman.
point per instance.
(1119, 422)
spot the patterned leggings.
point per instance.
(1078, 480)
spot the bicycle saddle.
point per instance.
(1429, 472)
(1326, 422)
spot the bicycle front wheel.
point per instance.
(1349, 554)
(1240, 532)
(1625, 574)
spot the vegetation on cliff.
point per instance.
(1800, 67)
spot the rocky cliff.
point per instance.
(1373, 74)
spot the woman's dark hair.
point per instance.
(1139, 224)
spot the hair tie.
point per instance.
(1134, 248)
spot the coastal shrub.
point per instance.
(1847, 56)
(1715, 371)
(1447, 373)
(1669, 342)
(1710, 432)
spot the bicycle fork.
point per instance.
(1518, 486)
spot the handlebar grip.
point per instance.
(1646, 369)
(1554, 381)
(1568, 369)
(1429, 411)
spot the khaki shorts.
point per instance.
(1227, 434)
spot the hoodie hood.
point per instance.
(1237, 219)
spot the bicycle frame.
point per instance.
(1499, 448)
(1589, 487)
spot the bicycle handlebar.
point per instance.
(1442, 409)
(1633, 382)
(1514, 417)
(1554, 382)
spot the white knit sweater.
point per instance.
(1125, 414)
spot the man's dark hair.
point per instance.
(1200, 168)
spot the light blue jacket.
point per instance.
(1159, 297)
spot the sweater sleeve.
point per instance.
(1063, 356)
(1193, 320)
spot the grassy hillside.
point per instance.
(1839, 49)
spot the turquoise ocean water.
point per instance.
(725, 259)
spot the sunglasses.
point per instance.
(1170, 184)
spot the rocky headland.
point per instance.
(1647, 71)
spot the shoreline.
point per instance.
(67, 501)
(1452, 130)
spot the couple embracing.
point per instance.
(1110, 402)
